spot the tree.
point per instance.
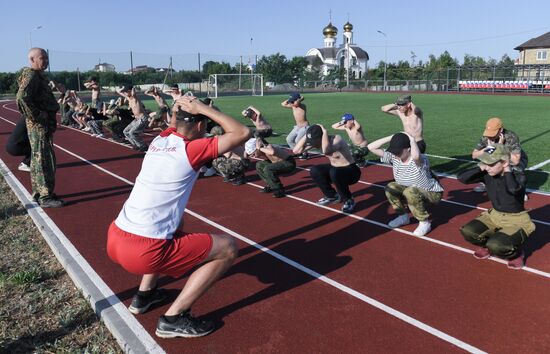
(214, 67)
(275, 68)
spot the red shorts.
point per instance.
(144, 255)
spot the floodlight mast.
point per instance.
(385, 57)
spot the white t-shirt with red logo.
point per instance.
(163, 186)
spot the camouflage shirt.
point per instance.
(511, 140)
(35, 95)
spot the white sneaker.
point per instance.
(24, 167)
(480, 188)
(203, 169)
(401, 220)
(525, 198)
(423, 228)
(210, 172)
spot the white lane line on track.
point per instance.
(377, 304)
(543, 163)
(387, 309)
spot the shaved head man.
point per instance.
(38, 108)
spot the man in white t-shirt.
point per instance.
(414, 182)
(147, 238)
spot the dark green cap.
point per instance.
(403, 99)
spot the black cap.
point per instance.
(399, 142)
(185, 116)
(174, 87)
(93, 78)
(313, 135)
(126, 88)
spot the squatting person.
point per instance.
(359, 143)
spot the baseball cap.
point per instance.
(399, 142)
(347, 117)
(403, 99)
(493, 154)
(174, 87)
(185, 116)
(313, 135)
(293, 97)
(492, 127)
(127, 88)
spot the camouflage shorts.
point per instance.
(359, 153)
(230, 168)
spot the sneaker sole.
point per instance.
(170, 334)
(137, 311)
(328, 203)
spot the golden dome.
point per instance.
(348, 27)
(330, 30)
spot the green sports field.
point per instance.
(453, 123)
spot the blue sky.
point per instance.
(80, 33)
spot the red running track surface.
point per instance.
(264, 304)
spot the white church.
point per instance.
(346, 55)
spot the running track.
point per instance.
(310, 278)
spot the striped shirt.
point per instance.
(410, 175)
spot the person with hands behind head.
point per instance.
(93, 84)
(414, 185)
(277, 161)
(502, 230)
(263, 128)
(342, 171)
(359, 143)
(141, 120)
(147, 237)
(299, 111)
(411, 116)
(495, 133)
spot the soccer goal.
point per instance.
(235, 84)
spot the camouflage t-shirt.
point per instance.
(511, 140)
(35, 95)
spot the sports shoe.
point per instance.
(423, 228)
(525, 197)
(516, 263)
(304, 156)
(51, 203)
(210, 172)
(24, 167)
(266, 189)
(328, 200)
(237, 181)
(348, 206)
(141, 304)
(279, 193)
(401, 220)
(185, 326)
(480, 188)
(482, 253)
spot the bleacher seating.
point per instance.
(503, 85)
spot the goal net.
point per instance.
(235, 84)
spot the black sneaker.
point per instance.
(279, 193)
(51, 203)
(186, 326)
(348, 206)
(141, 304)
(238, 181)
(304, 156)
(266, 189)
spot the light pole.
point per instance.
(30, 33)
(385, 57)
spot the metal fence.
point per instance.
(517, 78)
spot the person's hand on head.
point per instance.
(190, 103)
(500, 138)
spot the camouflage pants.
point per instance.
(116, 127)
(417, 199)
(502, 233)
(359, 154)
(270, 172)
(42, 161)
(230, 168)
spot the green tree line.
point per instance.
(278, 69)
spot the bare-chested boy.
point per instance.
(411, 116)
(342, 170)
(359, 143)
(277, 162)
(160, 117)
(133, 131)
(93, 84)
(299, 111)
(263, 128)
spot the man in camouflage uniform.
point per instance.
(495, 133)
(38, 106)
